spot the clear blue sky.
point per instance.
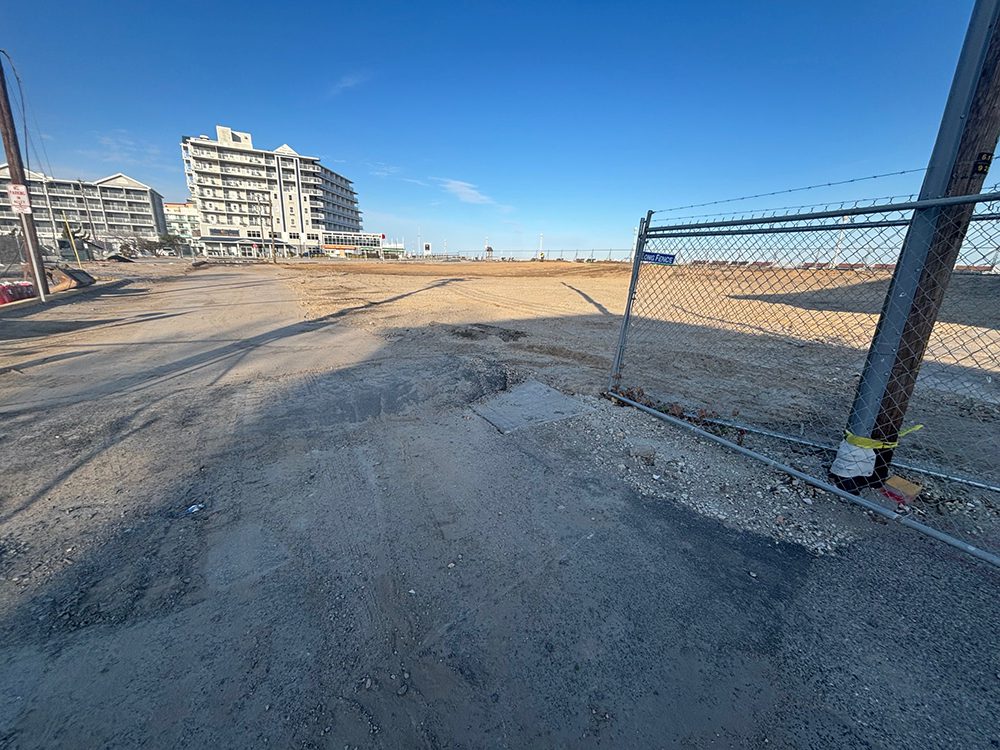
(501, 119)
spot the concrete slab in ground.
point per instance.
(528, 404)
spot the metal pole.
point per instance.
(993, 263)
(17, 177)
(265, 210)
(970, 126)
(640, 242)
(72, 241)
(48, 206)
(90, 215)
(836, 249)
(270, 224)
(105, 219)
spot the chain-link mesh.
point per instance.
(10, 249)
(763, 325)
(12, 255)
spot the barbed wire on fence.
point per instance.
(812, 207)
(792, 190)
(852, 203)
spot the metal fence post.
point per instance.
(640, 243)
(964, 145)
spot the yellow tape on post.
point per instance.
(866, 442)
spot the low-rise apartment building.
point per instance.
(113, 212)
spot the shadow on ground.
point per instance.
(349, 556)
(970, 300)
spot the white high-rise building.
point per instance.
(114, 212)
(249, 198)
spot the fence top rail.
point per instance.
(668, 229)
(801, 229)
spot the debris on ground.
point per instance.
(14, 291)
(63, 278)
(900, 490)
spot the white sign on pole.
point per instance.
(19, 202)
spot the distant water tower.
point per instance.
(489, 253)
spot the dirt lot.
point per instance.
(799, 378)
(251, 506)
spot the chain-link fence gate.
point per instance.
(759, 328)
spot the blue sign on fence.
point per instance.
(661, 259)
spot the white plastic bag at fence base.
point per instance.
(853, 461)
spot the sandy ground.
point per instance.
(251, 506)
(799, 378)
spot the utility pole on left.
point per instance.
(19, 193)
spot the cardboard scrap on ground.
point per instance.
(61, 279)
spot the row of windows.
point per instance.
(367, 240)
(211, 188)
(285, 161)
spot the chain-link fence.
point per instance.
(11, 256)
(761, 327)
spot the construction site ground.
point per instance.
(256, 506)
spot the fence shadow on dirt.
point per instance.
(804, 388)
(970, 300)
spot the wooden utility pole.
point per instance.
(13, 150)
(958, 166)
